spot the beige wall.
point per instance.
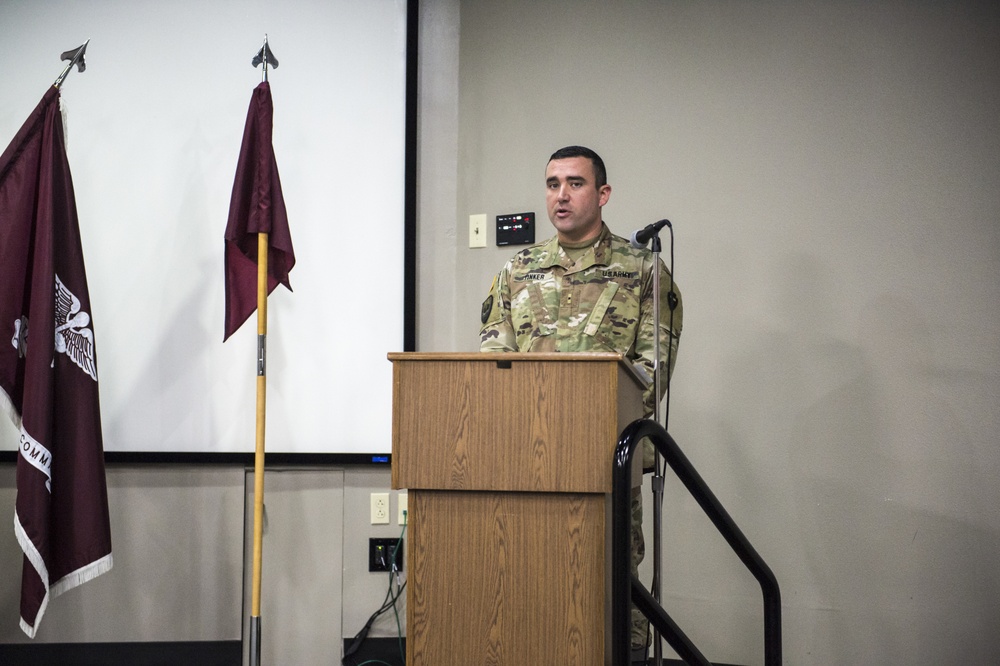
(832, 173)
(182, 561)
(176, 536)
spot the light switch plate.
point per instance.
(477, 230)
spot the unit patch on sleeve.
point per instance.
(487, 307)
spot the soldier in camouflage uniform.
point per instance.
(585, 289)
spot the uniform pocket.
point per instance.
(600, 309)
(617, 327)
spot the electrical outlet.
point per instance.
(401, 508)
(477, 230)
(381, 553)
(380, 508)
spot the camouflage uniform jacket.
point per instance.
(542, 301)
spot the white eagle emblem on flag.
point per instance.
(73, 337)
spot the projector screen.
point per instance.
(153, 130)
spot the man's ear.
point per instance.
(603, 194)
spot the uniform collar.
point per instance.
(553, 254)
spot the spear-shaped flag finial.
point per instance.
(266, 57)
(75, 57)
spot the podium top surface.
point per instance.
(509, 356)
(523, 356)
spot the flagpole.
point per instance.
(265, 58)
(258, 468)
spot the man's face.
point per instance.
(573, 199)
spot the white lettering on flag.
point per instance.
(37, 456)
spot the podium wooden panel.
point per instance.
(508, 462)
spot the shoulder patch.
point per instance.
(487, 307)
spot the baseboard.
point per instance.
(678, 662)
(385, 652)
(377, 652)
(193, 653)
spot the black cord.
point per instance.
(361, 636)
(672, 304)
(388, 602)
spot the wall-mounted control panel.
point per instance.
(516, 229)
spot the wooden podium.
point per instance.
(508, 461)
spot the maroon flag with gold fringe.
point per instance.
(48, 369)
(256, 207)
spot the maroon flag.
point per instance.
(61, 515)
(256, 207)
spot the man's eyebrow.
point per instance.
(574, 179)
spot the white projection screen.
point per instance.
(154, 127)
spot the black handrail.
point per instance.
(627, 589)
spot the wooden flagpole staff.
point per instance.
(258, 463)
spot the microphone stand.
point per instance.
(657, 482)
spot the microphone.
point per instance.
(642, 236)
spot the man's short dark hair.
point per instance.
(600, 173)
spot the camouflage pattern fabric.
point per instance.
(543, 301)
(640, 625)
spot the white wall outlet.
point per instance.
(401, 509)
(380, 508)
(477, 230)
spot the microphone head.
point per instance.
(642, 236)
(634, 240)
